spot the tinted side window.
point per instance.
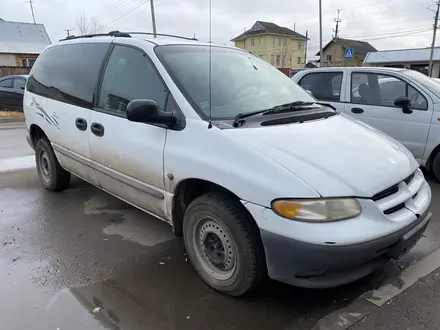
(130, 75)
(7, 83)
(324, 85)
(19, 83)
(68, 73)
(382, 90)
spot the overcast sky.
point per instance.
(386, 24)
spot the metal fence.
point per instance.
(13, 70)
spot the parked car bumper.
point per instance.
(324, 266)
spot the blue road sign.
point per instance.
(349, 53)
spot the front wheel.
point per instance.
(52, 175)
(224, 244)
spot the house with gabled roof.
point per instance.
(335, 50)
(278, 45)
(21, 43)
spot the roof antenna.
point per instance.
(210, 67)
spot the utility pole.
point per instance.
(320, 35)
(305, 51)
(153, 18)
(434, 34)
(294, 26)
(337, 20)
(32, 10)
(68, 31)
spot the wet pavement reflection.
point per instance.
(81, 259)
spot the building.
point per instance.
(280, 46)
(334, 52)
(21, 43)
(414, 59)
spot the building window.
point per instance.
(273, 41)
(252, 43)
(284, 42)
(278, 60)
(277, 42)
(300, 45)
(299, 60)
(261, 41)
(283, 61)
(329, 58)
(272, 58)
(27, 62)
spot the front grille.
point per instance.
(392, 190)
(394, 209)
(386, 193)
(394, 199)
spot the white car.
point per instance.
(402, 103)
(257, 177)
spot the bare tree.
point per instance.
(88, 24)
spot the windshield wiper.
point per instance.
(297, 105)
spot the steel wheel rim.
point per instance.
(214, 248)
(45, 168)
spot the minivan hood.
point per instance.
(337, 156)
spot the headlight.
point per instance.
(317, 210)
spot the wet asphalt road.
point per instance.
(81, 259)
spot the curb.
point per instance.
(11, 120)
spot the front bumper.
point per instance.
(325, 266)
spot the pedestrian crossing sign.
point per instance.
(349, 52)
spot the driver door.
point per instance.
(372, 101)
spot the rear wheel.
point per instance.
(224, 244)
(52, 175)
(435, 166)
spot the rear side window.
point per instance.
(323, 85)
(68, 73)
(19, 83)
(7, 83)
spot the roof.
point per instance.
(22, 38)
(402, 55)
(361, 48)
(354, 68)
(261, 27)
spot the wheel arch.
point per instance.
(186, 191)
(36, 133)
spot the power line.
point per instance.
(115, 11)
(127, 13)
(369, 14)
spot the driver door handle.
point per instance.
(357, 110)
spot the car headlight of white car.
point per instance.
(317, 210)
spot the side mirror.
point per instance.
(148, 112)
(404, 103)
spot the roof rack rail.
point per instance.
(124, 34)
(110, 34)
(163, 35)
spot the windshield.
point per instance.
(426, 81)
(240, 81)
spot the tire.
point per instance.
(52, 176)
(224, 244)
(435, 167)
